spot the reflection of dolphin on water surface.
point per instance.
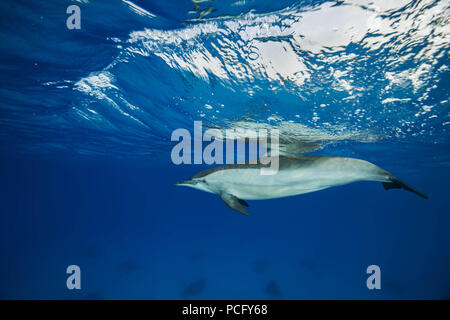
(297, 174)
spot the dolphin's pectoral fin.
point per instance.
(234, 203)
(243, 202)
(396, 183)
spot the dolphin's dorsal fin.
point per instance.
(234, 203)
(291, 149)
(299, 147)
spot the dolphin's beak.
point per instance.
(185, 183)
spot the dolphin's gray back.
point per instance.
(285, 162)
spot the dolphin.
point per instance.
(297, 174)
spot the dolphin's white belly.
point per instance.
(249, 184)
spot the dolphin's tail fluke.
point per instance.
(396, 183)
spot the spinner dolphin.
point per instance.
(297, 174)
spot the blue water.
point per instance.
(86, 176)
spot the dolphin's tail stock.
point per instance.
(396, 183)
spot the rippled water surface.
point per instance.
(368, 71)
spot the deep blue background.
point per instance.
(135, 235)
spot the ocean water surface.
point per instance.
(86, 176)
